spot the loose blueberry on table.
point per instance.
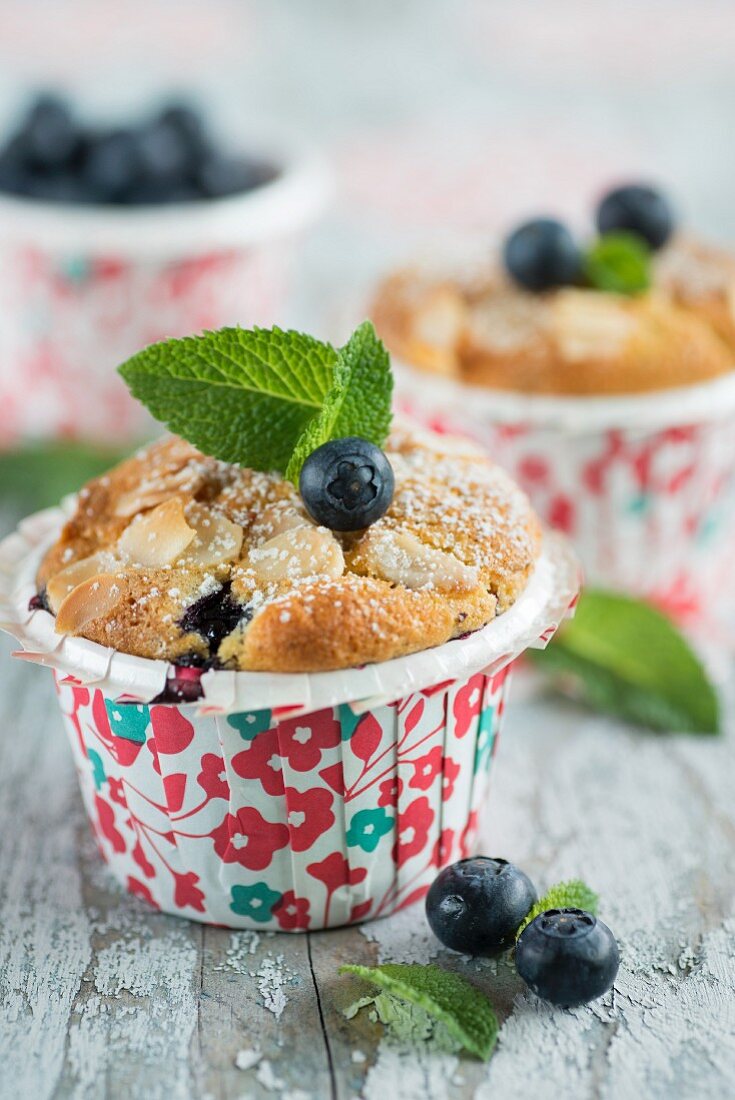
(167, 158)
(346, 484)
(567, 957)
(475, 906)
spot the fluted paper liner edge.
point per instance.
(548, 598)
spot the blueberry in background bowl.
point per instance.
(169, 157)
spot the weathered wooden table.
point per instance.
(103, 997)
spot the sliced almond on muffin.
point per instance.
(94, 598)
(158, 537)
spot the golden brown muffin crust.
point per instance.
(569, 341)
(176, 556)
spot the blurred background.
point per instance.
(437, 121)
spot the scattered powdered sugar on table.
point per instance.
(268, 1078)
(246, 1059)
(272, 975)
(243, 946)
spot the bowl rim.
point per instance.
(277, 208)
(657, 410)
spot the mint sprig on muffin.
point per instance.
(281, 401)
(265, 398)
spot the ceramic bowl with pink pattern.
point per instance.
(277, 801)
(83, 287)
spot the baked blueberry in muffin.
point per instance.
(206, 562)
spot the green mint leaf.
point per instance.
(574, 894)
(240, 395)
(359, 402)
(407, 1023)
(466, 1012)
(618, 262)
(624, 657)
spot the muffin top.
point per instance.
(178, 556)
(569, 340)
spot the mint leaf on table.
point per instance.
(618, 262)
(573, 894)
(359, 402)
(465, 1012)
(265, 398)
(622, 656)
(240, 395)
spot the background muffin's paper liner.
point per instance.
(547, 599)
(644, 485)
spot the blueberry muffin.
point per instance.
(178, 556)
(638, 311)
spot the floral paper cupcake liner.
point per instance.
(284, 802)
(644, 486)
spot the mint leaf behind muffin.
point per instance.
(619, 262)
(573, 894)
(359, 402)
(461, 1007)
(623, 657)
(254, 397)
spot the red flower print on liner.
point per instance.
(467, 703)
(562, 514)
(413, 830)
(302, 740)
(360, 911)
(248, 839)
(333, 776)
(261, 760)
(117, 791)
(292, 912)
(172, 732)
(143, 862)
(442, 851)
(140, 890)
(449, 778)
(390, 791)
(469, 833)
(426, 769)
(334, 871)
(213, 778)
(309, 816)
(186, 891)
(175, 788)
(106, 822)
(366, 738)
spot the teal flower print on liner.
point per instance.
(367, 827)
(348, 720)
(128, 720)
(249, 723)
(485, 738)
(98, 770)
(256, 901)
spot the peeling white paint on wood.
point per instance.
(103, 997)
